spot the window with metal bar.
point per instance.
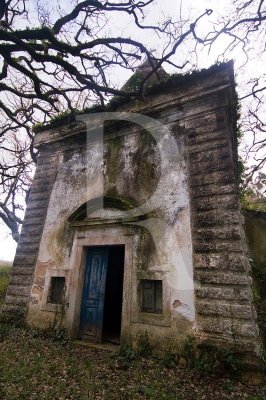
(152, 296)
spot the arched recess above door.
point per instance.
(109, 203)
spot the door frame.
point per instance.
(91, 238)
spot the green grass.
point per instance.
(5, 267)
(35, 368)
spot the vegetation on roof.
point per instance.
(166, 82)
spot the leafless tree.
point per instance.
(242, 30)
(15, 178)
(59, 57)
(53, 60)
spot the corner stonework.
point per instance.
(23, 269)
(224, 303)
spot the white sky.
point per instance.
(164, 8)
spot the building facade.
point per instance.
(138, 230)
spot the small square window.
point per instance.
(56, 291)
(152, 296)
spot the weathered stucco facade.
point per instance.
(191, 240)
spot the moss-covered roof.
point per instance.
(166, 82)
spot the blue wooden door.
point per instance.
(92, 307)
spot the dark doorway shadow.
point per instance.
(113, 295)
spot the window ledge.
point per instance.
(152, 319)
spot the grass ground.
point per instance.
(4, 274)
(35, 368)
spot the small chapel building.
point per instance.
(133, 222)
